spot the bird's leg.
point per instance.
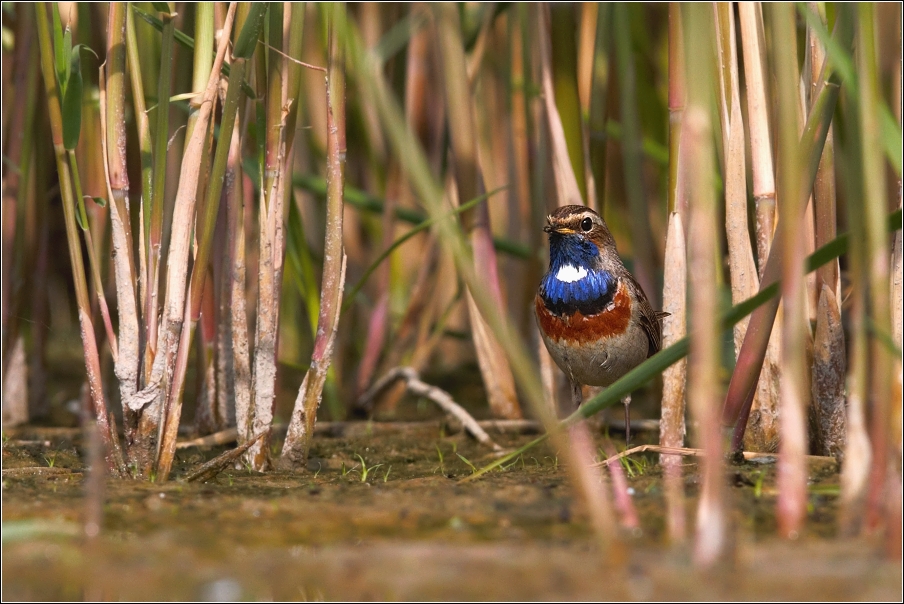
(576, 394)
(626, 401)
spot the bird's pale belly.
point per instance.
(602, 362)
(595, 349)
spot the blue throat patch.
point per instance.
(588, 288)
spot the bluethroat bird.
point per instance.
(593, 316)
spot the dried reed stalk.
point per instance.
(566, 182)
(620, 494)
(882, 361)
(563, 29)
(235, 351)
(711, 538)
(711, 541)
(678, 201)
(270, 246)
(742, 268)
(894, 531)
(153, 198)
(204, 228)
(858, 450)
(494, 366)
(588, 25)
(672, 428)
(762, 433)
(139, 428)
(750, 15)
(304, 415)
(828, 373)
(15, 384)
(792, 472)
(829, 359)
(112, 452)
(92, 247)
(145, 147)
(208, 415)
(172, 353)
(550, 376)
(282, 83)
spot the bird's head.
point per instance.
(583, 263)
(578, 236)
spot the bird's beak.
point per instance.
(562, 230)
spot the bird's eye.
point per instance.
(586, 225)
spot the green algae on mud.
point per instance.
(385, 516)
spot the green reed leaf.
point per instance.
(72, 102)
(60, 50)
(247, 41)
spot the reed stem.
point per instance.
(112, 453)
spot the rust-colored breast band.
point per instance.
(582, 329)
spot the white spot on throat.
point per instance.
(569, 274)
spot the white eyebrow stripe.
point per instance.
(569, 274)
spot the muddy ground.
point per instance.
(384, 515)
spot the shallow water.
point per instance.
(402, 526)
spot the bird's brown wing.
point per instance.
(650, 320)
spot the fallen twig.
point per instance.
(223, 437)
(219, 463)
(440, 397)
(748, 455)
